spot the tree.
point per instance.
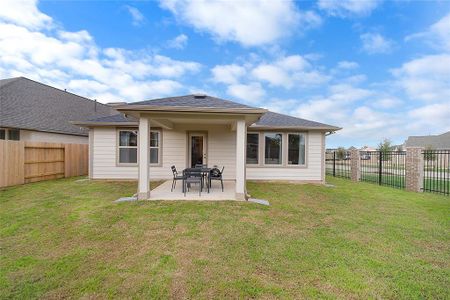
(385, 147)
(429, 153)
(340, 153)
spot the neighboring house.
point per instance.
(368, 149)
(32, 111)
(251, 143)
(437, 142)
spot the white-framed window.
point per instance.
(296, 149)
(128, 146)
(252, 148)
(10, 134)
(155, 147)
(273, 148)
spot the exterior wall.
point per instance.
(221, 150)
(40, 136)
(312, 172)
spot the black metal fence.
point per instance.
(436, 171)
(384, 168)
(337, 163)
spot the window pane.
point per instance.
(252, 148)
(2, 134)
(154, 139)
(14, 134)
(273, 148)
(128, 155)
(154, 155)
(296, 149)
(128, 138)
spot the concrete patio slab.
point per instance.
(163, 192)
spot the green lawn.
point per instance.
(67, 239)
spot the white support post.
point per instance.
(143, 158)
(241, 137)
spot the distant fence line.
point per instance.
(415, 169)
(23, 162)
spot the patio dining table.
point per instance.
(205, 173)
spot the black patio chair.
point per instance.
(175, 177)
(192, 175)
(204, 175)
(216, 174)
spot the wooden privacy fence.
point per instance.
(24, 162)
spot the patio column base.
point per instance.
(143, 196)
(241, 196)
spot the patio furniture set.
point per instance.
(200, 174)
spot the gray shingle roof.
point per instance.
(192, 101)
(28, 104)
(271, 119)
(441, 141)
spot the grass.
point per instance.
(67, 239)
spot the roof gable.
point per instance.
(28, 104)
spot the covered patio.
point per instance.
(163, 192)
(213, 136)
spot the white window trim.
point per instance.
(7, 133)
(281, 164)
(159, 147)
(118, 147)
(305, 136)
(258, 153)
(119, 164)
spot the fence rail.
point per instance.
(436, 171)
(384, 168)
(429, 170)
(338, 164)
(23, 162)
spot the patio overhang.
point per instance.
(236, 120)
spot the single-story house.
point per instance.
(33, 111)
(146, 138)
(436, 142)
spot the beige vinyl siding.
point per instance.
(221, 151)
(311, 172)
(49, 137)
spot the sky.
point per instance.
(378, 69)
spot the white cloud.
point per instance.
(426, 78)
(251, 23)
(346, 8)
(347, 65)
(388, 102)
(438, 35)
(250, 93)
(137, 17)
(179, 42)
(289, 71)
(229, 74)
(72, 60)
(24, 13)
(375, 43)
